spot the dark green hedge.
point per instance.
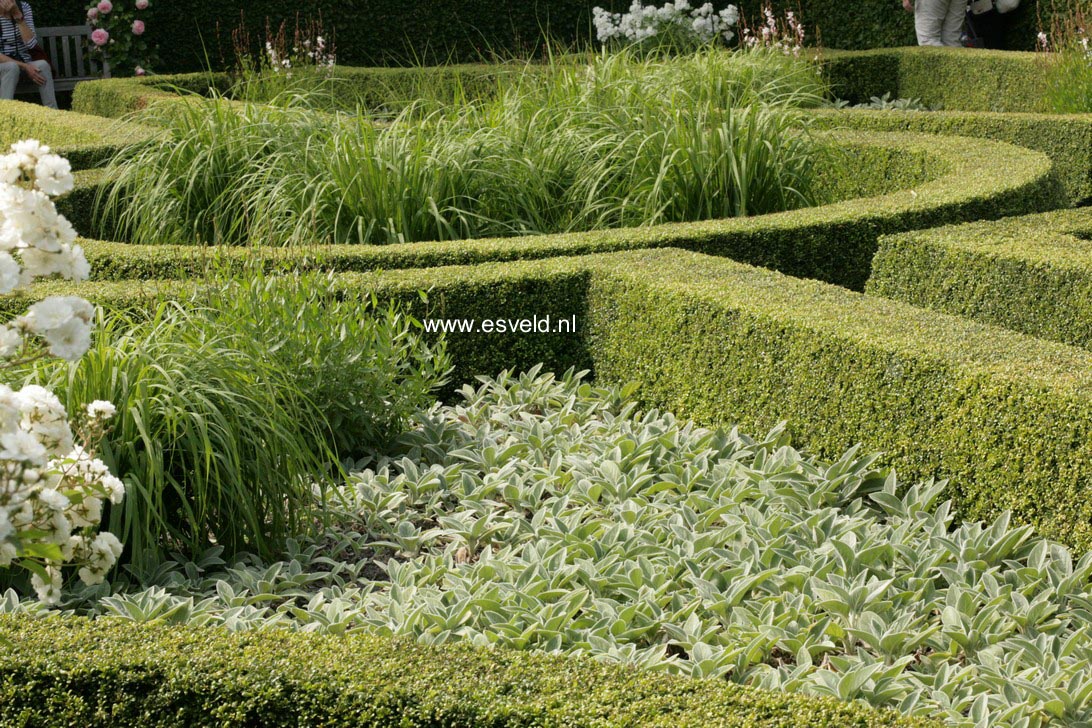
(1031, 274)
(1006, 417)
(194, 35)
(1067, 140)
(941, 180)
(957, 79)
(75, 672)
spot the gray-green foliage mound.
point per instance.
(551, 515)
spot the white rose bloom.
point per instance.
(100, 409)
(48, 593)
(31, 148)
(70, 341)
(39, 400)
(107, 542)
(53, 175)
(21, 446)
(6, 529)
(10, 278)
(53, 499)
(10, 168)
(114, 488)
(50, 313)
(7, 554)
(10, 342)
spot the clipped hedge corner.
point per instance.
(1030, 274)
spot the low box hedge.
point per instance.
(1006, 417)
(86, 141)
(939, 180)
(1066, 139)
(956, 79)
(1031, 274)
(109, 672)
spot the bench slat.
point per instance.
(66, 45)
(80, 69)
(68, 71)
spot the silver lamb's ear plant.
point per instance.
(546, 513)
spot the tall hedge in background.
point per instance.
(398, 32)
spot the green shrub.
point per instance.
(64, 672)
(228, 406)
(1067, 140)
(956, 79)
(85, 141)
(363, 370)
(1030, 274)
(622, 142)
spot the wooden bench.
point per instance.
(69, 49)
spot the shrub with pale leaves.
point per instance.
(674, 26)
(52, 490)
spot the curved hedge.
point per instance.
(1006, 417)
(1066, 139)
(1030, 274)
(86, 141)
(63, 672)
(940, 180)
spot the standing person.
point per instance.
(937, 22)
(17, 37)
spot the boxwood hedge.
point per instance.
(86, 141)
(939, 180)
(958, 79)
(1066, 139)
(63, 672)
(1031, 274)
(1007, 417)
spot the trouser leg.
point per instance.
(929, 18)
(9, 79)
(49, 98)
(953, 23)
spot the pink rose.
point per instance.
(92, 13)
(105, 6)
(141, 4)
(138, 27)
(140, 71)
(100, 37)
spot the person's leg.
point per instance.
(46, 90)
(953, 22)
(9, 79)
(929, 16)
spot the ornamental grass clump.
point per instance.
(1069, 67)
(235, 408)
(622, 141)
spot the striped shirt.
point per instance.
(11, 39)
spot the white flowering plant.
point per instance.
(784, 35)
(52, 488)
(284, 62)
(675, 26)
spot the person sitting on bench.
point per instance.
(17, 38)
